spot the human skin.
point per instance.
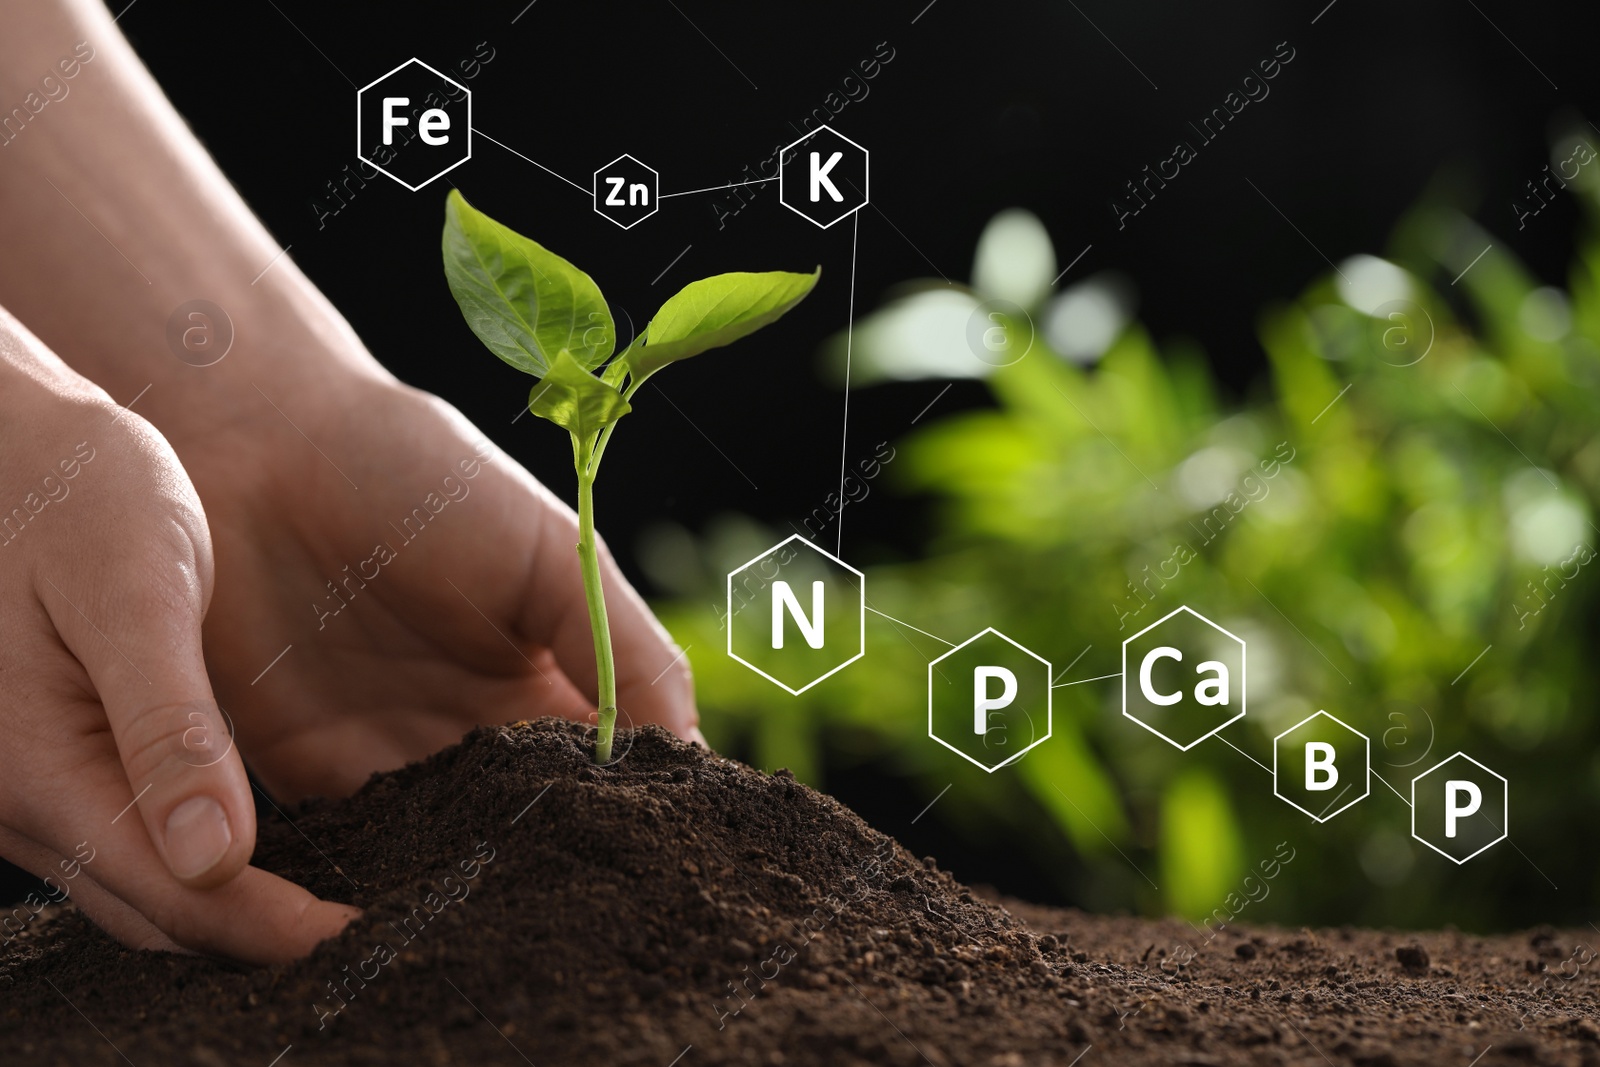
(105, 574)
(305, 454)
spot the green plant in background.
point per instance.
(1399, 523)
(547, 318)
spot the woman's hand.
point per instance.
(387, 579)
(119, 784)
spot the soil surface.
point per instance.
(523, 906)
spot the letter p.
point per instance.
(982, 702)
(1453, 789)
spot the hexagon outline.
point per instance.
(866, 194)
(446, 170)
(1505, 809)
(1366, 789)
(655, 203)
(1049, 700)
(861, 588)
(1244, 691)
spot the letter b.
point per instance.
(1321, 774)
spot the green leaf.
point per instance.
(617, 369)
(714, 312)
(572, 397)
(523, 301)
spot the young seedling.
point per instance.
(547, 318)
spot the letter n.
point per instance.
(810, 627)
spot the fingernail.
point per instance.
(698, 738)
(198, 836)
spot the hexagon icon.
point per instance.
(823, 176)
(1459, 808)
(626, 191)
(1321, 766)
(1183, 678)
(796, 614)
(414, 124)
(989, 700)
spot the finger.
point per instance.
(255, 917)
(298, 766)
(555, 695)
(652, 672)
(66, 878)
(654, 681)
(139, 641)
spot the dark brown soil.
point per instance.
(523, 906)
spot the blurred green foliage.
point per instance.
(1436, 513)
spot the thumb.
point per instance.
(139, 640)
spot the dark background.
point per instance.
(982, 107)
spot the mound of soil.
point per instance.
(523, 906)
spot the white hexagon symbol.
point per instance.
(1461, 812)
(823, 176)
(989, 700)
(626, 191)
(414, 124)
(1183, 678)
(796, 614)
(1321, 766)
